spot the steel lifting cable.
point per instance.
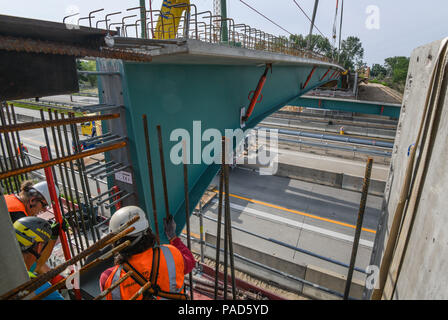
(334, 24)
(314, 25)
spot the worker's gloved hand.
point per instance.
(54, 230)
(65, 225)
(170, 228)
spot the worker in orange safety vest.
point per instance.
(32, 200)
(163, 266)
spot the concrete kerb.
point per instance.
(327, 178)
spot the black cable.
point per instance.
(314, 25)
(265, 17)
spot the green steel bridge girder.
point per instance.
(175, 95)
(356, 106)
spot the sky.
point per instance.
(386, 28)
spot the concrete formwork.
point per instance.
(418, 265)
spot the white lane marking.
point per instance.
(298, 224)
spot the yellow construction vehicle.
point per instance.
(170, 17)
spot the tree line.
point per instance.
(392, 73)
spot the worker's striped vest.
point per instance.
(170, 277)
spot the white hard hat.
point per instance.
(42, 188)
(123, 215)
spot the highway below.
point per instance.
(309, 216)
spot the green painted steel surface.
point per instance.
(356, 106)
(173, 96)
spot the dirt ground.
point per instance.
(378, 92)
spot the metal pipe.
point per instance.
(48, 123)
(102, 194)
(115, 171)
(108, 206)
(362, 207)
(104, 167)
(375, 143)
(111, 196)
(345, 148)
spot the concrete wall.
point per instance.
(423, 245)
(313, 274)
(328, 178)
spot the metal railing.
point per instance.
(202, 26)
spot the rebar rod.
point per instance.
(25, 289)
(362, 207)
(61, 284)
(43, 124)
(187, 209)
(9, 151)
(151, 176)
(162, 166)
(69, 202)
(226, 241)
(75, 184)
(64, 185)
(114, 285)
(18, 137)
(84, 182)
(228, 225)
(218, 231)
(54, 162)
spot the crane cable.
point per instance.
(314, 25)
(265, 17)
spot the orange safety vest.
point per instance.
(170, 276)
(14, 204)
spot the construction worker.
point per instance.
(175, 260)
(32, 200)
(32, 233)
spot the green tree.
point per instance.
(397, 68)
(319, 44)
(352, 53)
(87, 65)
(378, 71)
